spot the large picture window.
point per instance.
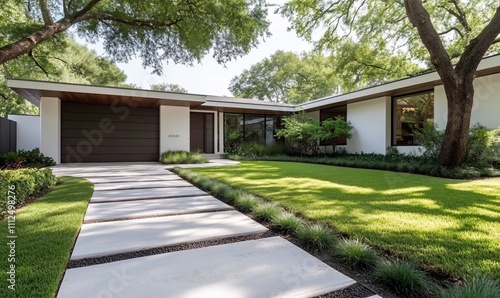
(410, 112)
(249, 128)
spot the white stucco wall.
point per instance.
(372, 128)
(486, 108)
(28, 131)
(50, 127)
(174, 128)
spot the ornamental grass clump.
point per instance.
(316, 237)
(182, 157)
(246, 202)
(286, 222)
(356, 254)
(266, 211)
(479, 287)
(403, 278)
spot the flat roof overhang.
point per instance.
(428, 81)
(243, 105)
(33, 91)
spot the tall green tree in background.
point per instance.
(287, 77)
(155, 30)
(60, 60)
(168, 87)
(455, 35)
(292, 78)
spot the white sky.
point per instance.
(209, 77)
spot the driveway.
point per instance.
(148, 233)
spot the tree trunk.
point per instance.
(460, 100)
(26, 44)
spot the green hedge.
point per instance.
(28, 183)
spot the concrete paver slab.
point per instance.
(113, 173)
(150, 193)
(142, 208)
(100, 239)
(269, 267)
(164, 177)
(141, 185)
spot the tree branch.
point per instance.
(4, 96)
(475, 50)
(47, 17)
(420, 18)
(103, 16)
(452, 29)
(85, 10)
(30, 54)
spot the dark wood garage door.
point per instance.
(106, 133)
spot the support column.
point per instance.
(174, 129)
(221, 132)
(50, 127)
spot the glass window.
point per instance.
(409, 115)
(255, 128)
(233, 131)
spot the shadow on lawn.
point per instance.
(442, 224)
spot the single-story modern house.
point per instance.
(81, 123)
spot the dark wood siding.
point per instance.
(100, 133)
(202, 132)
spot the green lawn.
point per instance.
(442, 224)
(45, 230)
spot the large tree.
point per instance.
(75, 64)
(455, 34)
(292, 78)
(287, 77)
(168, 87)
(156, 30)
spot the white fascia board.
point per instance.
(257, 105)
(113, 91)
(376, 91)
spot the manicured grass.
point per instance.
(46, 230)
(440, 224)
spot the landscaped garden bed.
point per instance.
(447, 227)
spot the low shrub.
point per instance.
(23, 184)
(246, 202)
(356, 254)
(481, 287)
(403, 278)
(266, 211)
(25, 159)
(182, 157)
(316, 237)
(286, 222)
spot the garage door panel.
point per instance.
(83, 139)
(124, 126)
(115, 142)
(107, 109)
(108, 117)
(69, 133)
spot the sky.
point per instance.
(209, 77)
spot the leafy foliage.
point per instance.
(287, 77)
(156, 31)
(23, 183)
(26, 159)
(302, 133)
(167, 87)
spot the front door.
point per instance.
(202, 132)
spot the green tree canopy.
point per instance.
(168, 87)
(287, 77)
(450, 35)
(74, 64)
(155, 30)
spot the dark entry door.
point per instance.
(202, 132)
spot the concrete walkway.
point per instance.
(139, 206)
